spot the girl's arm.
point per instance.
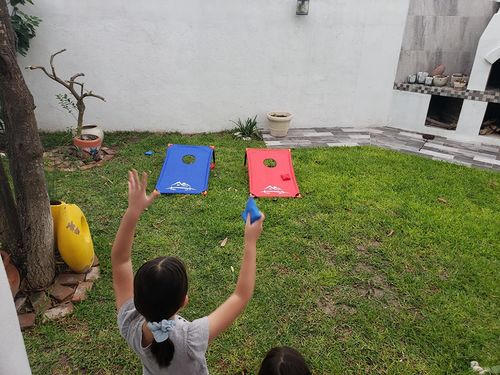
(226, 313)
(123, 277)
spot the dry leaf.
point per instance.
(232, 269)
(224, 242)
(442, 200)
(391, 232)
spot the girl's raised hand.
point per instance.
(253, 231)
(138, 200)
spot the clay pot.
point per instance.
(460, 84)
(279, 122)
(458, 76)
(88, 142)
(93, 129)
(12, 273)
(440, 80)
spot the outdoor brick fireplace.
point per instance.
(472, 114)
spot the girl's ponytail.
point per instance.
(163, 352)
(160, 290)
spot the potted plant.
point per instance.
(69, 105)
(457, 76)
(90, 143)
(247, 130)
(460, 84)
(279, 123)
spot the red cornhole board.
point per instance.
(271, 182)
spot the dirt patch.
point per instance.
(69, 158)
(364, 268)
(333, 308)
(361, 249)
(64, 367)
(443, 275)
(365, 248)
(281, 269)
(342, 333)
(376, 288)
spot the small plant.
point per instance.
(24, 25)
(247, 130)
(66, 103)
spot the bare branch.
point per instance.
(52, 61)
(90, 93)
(33, 67)
(76, 76)
(72, 79)
(76, 83)
(54, 76)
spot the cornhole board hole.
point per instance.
(270, 173)
(186, 170)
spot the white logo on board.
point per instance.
(271, 189)
(180, 186)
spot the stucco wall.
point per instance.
(443, 32)
(194, 65)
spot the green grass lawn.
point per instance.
(368, 273)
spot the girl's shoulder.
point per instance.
(190, 337)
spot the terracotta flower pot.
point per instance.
(12, 273)
(90, 143)
(279, 122)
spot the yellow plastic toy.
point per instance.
(72, 236)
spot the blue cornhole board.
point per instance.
(179, 177)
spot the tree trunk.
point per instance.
(80, 105)
(25, 153)
(10, 232)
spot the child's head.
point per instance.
(284, 360)
(160, 290)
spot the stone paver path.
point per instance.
(440, 148)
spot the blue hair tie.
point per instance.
(160, 330)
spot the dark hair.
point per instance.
(284, 361)
(160, 288)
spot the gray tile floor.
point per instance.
(440, 148)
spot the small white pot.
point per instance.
(94, 130)
(279, 123)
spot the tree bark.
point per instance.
(10, 232)
(81, 110)
(25, 153)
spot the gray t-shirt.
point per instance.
(190, 340)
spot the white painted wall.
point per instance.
(486, 55)
(193, 65)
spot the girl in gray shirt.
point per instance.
(148, 303)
